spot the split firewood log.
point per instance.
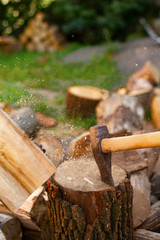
(24, 167)
(82, 100)
(142, 234)
(80, 146)
(46, 121)
(152, 223)
(33, 215)
(122, 122)
(155, 111)
(81, 206)
(11, 227)
(108, 106)
(136, 167)
(52, 147)
(26, 119)
(140, 83)
(5, 107)
(144, 96)
(148, 72)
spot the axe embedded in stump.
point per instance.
(87, 201)
(23, 167)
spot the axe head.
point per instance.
(103, 160)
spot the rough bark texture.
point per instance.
(99, 214)
(26, 120)
(82, 100)
(142, 234)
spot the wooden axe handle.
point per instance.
(146, 140)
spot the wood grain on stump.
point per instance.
(81, 206)
(82, 100)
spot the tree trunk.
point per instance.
(82, 100)
(81, 206)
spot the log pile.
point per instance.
(40, 36)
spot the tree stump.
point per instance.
(82, 100)
(81, 206)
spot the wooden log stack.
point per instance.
(40, 36)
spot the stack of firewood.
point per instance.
(40, 36)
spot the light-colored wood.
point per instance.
(23, 168)
(146, 140)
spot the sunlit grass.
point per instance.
(25, 70)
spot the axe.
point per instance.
(102, 146)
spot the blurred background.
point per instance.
(85, 21)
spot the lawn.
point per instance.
(23, 71)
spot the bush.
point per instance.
(87, 21)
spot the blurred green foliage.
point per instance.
(88, 21)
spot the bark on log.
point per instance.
(23, 168)
(26, 120)
(142, 234)
(108, 106)
(82, 100)
(84, 207)
(45, 121)
(11, 227)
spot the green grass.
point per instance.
(22, 71)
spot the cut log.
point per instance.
(82, 100)
(142, 234)
(144, 97)
(141, 196)
(9, 45)
(152, 223)
(136, 167)
(11, 227)
(46, 121)
(155, 111)
(33, 215)
(23, 167)
(108, 106)
(148, 72)
(80, 146)
(123, 122)
(139, 84)
(52, 148)
(84, 207)
(26, 119)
